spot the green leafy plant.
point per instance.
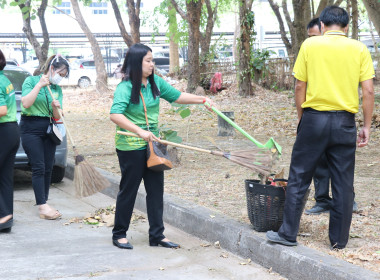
(167, 133)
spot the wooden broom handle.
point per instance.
(63, 120)
(169, 143)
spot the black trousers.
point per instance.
(40, 151)
(9, 143)
(134, 169)
(332, 133)
(322, 183)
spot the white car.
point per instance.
(80, 77)
(30, 66)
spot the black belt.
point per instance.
(33, 118)
(8, 123)
(326, 112)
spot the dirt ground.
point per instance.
(217, 183)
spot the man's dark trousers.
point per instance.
(321, 184)
(333, 133)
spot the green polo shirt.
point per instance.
(333, 65)
(40, 105)
(7, 98)
(135, 112)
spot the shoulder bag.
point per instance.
(52, 131)
(157, 155)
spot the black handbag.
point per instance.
(52, 131)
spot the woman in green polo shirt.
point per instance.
(37, 107)
(9, 143)
(127, 113)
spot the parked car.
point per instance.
(80, 77)
(30, 66)
(12, 61)
(162, 63)
(83, 64)
(17, 75)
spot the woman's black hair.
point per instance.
(334, 15)
(132, 69)
(3, 61)
(58, 62)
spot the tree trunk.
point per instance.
(101, 74)
(348, 9)
(373, 9)
(246, 27)
(236, 35)
(134, 19)
(355, 20)
(300, 23)
(205, 39)
(126, 37)
(373, 38)
(194, 9)
(173, 46)
(41, 51)
(285, 39)
(45, 34)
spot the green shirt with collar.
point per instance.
(7, 98)
(135, 112)
(40, 105)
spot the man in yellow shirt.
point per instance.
(321, 176)
(328, 70)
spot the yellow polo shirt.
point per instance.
(333, 65)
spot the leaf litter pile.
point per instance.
(217, 183)
(103, 217)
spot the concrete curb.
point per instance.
(292, 262)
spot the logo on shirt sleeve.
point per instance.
(10, 88)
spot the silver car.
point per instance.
(17, 75)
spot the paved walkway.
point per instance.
(41, 249)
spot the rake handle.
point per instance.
(169, 143)
(242, 131)
(63, 120)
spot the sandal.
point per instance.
(52, 215)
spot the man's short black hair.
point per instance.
(314, 22)
(332, 15)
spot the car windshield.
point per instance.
(16, 77)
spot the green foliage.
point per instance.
(28, 10)
(249, 23)
(169, 135)
(259, 58)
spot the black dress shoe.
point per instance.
(122, 245)
(166, 244)
(7, 226)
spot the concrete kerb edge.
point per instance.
(292, 262)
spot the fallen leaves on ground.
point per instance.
(103, 217)
(217, 183)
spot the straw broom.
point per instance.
(255, 159)
(87, 180)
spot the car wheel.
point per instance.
(57, 174)
(84, 82)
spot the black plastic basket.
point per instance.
(265, 205)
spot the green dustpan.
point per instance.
(270, 144)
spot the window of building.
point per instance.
(97, 8)
(64, 7)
